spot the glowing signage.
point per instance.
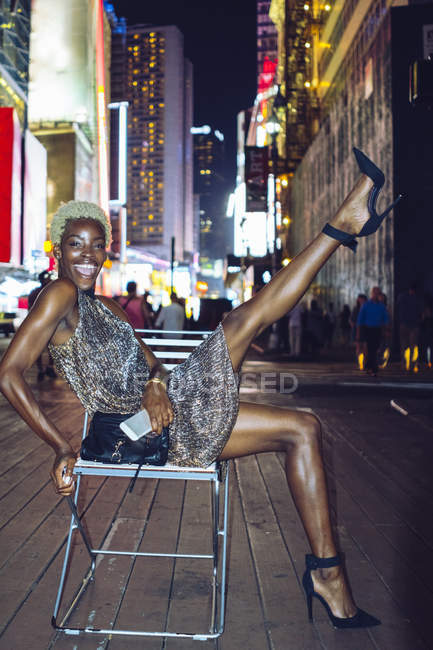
(10, 186)
(100, 108)
(201, 130)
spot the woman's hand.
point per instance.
(61, 473)
(156, 402)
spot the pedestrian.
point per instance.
(315, 327)
(44, 278)
(171, 317)
(112, 370)
(329, 325)
(385, 346)
(408, 311)
(358, 334)
(426, 335)
(373, 317)
(295, 330)
(344, 322)
(136, 308)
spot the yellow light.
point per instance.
(306, 7)
(415, 354)
(284, 182)
(201, 286)
(324, 44)
(108, 264)
(286, 261)
(150, 217)
(48, 247)
(307, 45)
(325, 84)
(327, 7)
(287, 221)
(307, 84)
(361, 361)
(407, 358)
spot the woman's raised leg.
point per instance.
(261, 428)
(282, 293)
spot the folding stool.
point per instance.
(217, 477)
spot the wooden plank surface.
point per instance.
(381, 495)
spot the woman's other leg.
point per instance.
(262, 428)
(245, 323)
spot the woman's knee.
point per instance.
(307, 431)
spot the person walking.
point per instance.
(358, 334)
(113, 372)
(373, 317)
(171, 317)
(136, 308)
(295, 331)
(345, 325)
(409, 311)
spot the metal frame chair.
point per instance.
(168, 348)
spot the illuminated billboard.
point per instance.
(62, 61)
(35, 204)
(10, 186)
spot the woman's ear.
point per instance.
(57, 251)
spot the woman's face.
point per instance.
(82, 252)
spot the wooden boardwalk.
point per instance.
(380, 481)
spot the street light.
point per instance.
(273, 128)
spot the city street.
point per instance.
(380, 481)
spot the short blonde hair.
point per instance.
(74, 210)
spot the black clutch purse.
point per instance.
(106, 443)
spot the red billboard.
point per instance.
(10, 186)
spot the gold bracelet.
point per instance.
(156, 380)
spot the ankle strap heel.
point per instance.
(359, 620)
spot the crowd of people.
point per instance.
(366, 328)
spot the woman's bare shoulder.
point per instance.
(61, 294)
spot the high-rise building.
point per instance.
(267, 37)
(158, 88)
(209, 185)
(14, 54)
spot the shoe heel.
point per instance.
(310, 606)
(392, 206)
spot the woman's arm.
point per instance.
(155, 399)
(54, 304)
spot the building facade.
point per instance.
(14, 55)
(353, 88)
(209, 185)
(158, 87)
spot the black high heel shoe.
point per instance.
(368, 168)
(360, 619)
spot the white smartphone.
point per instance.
(137, 426)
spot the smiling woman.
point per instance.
(114, 373)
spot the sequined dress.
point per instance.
(105, 366)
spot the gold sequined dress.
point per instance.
(105, 366)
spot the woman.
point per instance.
(92, 343)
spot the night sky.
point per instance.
(220, 40)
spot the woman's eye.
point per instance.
(74, 243)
